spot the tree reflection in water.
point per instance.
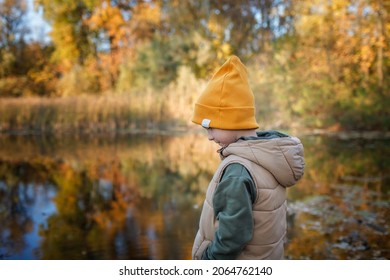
(139, 197)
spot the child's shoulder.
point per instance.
(235, 169)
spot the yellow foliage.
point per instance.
(215, 26)
(147, 12)
(110, 19)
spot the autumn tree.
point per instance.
(22, 61)
(331, 71)
(12, 31)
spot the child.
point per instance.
(244, 213)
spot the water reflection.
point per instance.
(341, 207)
(139, 197)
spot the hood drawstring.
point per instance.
(220, 152)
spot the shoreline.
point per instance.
(181, 130)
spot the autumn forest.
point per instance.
(123, 64)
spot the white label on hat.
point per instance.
(206, 123)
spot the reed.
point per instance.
(147, 110)
(86, 113)
(75, 114)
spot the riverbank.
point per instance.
(351, 134)
(139, 113)
(91, 114)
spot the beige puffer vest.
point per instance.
(274, 165)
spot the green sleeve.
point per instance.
(232, 201)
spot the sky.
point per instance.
(39, 27)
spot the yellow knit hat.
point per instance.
(228, 101)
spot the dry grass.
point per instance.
(141, 111)
(147, 110)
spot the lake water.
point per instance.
(139, 197)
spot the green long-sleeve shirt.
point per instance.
(232, 202)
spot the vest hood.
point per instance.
(280, 154)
